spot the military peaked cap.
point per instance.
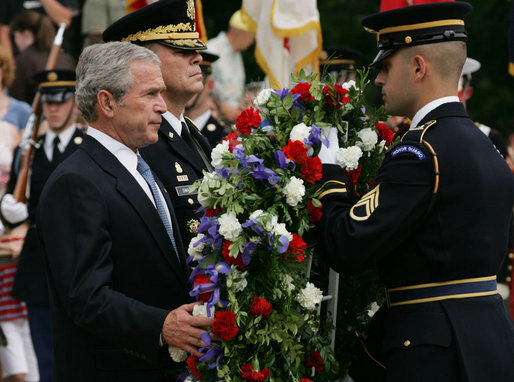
(417, 25)
(207, 60)
(169, 22)
(56, 85)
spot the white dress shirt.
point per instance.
(64, 138)
(175, 122)
(429, 107)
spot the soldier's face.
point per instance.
(393, 78)
(57, 114)
(181, 72)
(137, 116)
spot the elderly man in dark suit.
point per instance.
(167, 28)
(436, 224)
(115, 258)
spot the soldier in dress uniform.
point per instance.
(202, 107)
(339, 63)
(436, 224)
(167, 27)
(57, 90)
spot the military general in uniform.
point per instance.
(436, 223)
(181, 154)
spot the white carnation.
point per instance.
(294, 191)
(196, 251)
(261, 100)
(300, 132)
(217, 154)
(238, 278)
(230, 227)
(176, 354)
(349, 84)
(287, 282)
(201, 310)
(279, 229)
(368, 139)
(349, 158)
(255, 214)
(310, 296)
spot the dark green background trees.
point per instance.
(493, 100)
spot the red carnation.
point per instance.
(249, 374)
(233, 140)
(248, 119)
(303, 89)
(295, 150)
(311, 169)
(209, 212)
(316, 361)
(353, 176)
(191, 365)
(384, 133)
(296, 250)
(237, 261)
(335, 97)
(223, 325)
(202, 279)
(260, 307)
(305, 380)
(315, 213)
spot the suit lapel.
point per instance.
(180, 147)
(128, 187)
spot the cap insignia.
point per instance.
(52, 76)
(191, 9)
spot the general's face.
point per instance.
(137, 116)
(181, 72)
(58, 114)
(393, 78)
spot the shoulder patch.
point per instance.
(408, 149)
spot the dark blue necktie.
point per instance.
(146, 173)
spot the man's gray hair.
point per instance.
(107, 67)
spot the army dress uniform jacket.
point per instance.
(178, 167)
(30, 283)
(414, 237)
(214, 131)
(113, 273)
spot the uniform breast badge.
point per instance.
(178, 168)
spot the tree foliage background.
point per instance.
(493, 100)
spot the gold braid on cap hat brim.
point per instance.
(182, 31)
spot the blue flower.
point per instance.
(263, 173)
(249, 250)
(254, 225)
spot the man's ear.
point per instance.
(467, 93)
(105, 102)
(419, 67)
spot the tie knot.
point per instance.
(56, 140)
(142, 166)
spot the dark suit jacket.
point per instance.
(113, 273)
(415, 238)
(30, 283)
(178, 167)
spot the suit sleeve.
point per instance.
(73, 225)
(354, 237)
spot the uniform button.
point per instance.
(509, 267)
(406, 343)
(191, 201)
(508, 279)
(511, 255)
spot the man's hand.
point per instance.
(13, 211)
(182, 330)
(327, 155)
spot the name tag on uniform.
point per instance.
(186, 190)
(182, 178)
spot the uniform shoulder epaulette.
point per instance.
(418, 133)
(194, 124)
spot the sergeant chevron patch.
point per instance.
(363, 209)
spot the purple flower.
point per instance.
(254, 225)
(249, 250)
(263, 173)
(281, 93)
